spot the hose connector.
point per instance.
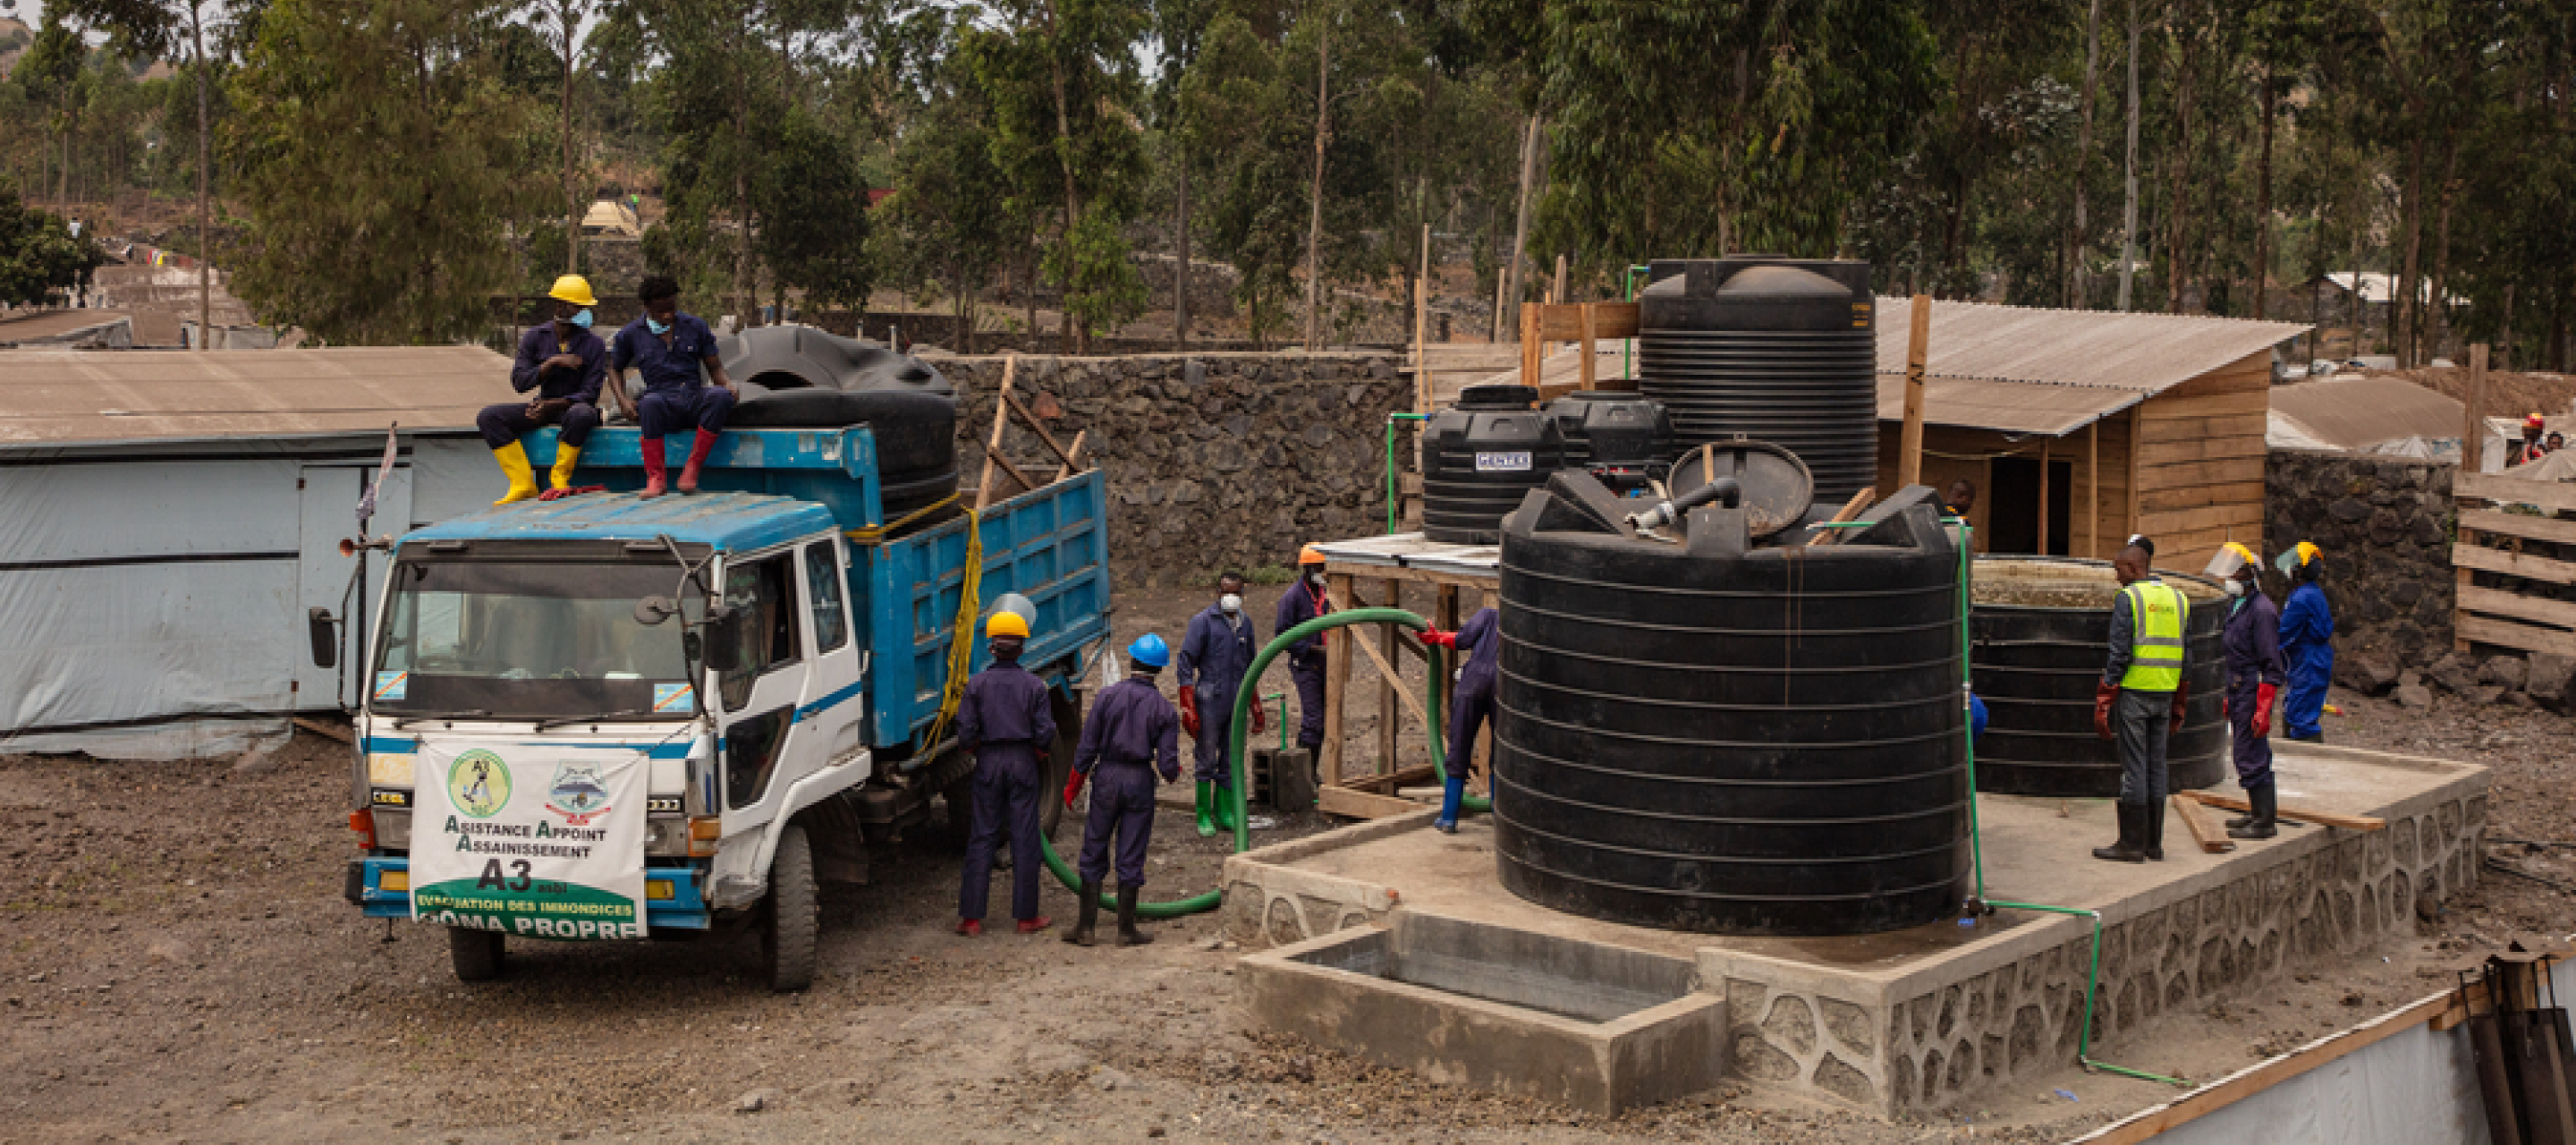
(1726, 489)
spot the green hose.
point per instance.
(1243, 699)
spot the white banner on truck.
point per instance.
(519, 839)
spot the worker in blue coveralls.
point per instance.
(561, 366)
(1132, 733)
(668, 347)
(1007, 722)
(1215, 653)
(1305, 600)
(1470, 706)
(2307, 643)
(2254, 674)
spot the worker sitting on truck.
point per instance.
(1132, 733)
(1305, 600)
(1007, 722)
(668, 348)
(1470, 706)
(567, 384)
(1215, 654)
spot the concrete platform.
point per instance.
(1921, 1019)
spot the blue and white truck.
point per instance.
(605, 717)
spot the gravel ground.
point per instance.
(179, 966)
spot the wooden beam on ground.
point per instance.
(2207, 834)
(326, 731)
(1388, 783)
(1918, 349)
(2285, 811)
(1353, 804)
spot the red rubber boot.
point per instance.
(698, 451)
(655, 473)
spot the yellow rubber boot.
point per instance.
(565, 455)
(514, 465)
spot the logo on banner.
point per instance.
(478, 784)
(577, 794)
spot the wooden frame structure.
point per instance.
(1371, 794)
(2500, 616)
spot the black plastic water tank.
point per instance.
(1775, 349)
(1622, 437)
(1709, 737)
(2039, 633)
(1480, 457)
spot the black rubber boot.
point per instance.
(1080, 935)
(2152, 837)
(2264, 822)
(2246, 819)
(1128, 935)
(2133, 826)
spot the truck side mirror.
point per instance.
(653, 610)
(720, 641)
(325, 635)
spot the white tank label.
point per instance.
(1503, 462)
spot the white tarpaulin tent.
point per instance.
(166, 518)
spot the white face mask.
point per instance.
(2235, 588)
(1316, 577)
(1230, 603)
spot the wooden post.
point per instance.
(1909, 454)
(2472, 435)
(1337, 679)
(2043, 496)
(1422, 329)
(2137, 433)
(1390, 719)
(2093, 490)
(1587, 347)
(1001, 421)
(1531, 353)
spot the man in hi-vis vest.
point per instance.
(2139, 702)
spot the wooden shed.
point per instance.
(2082, 427)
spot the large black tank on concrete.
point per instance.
(1622, 437)
(1775, 349)
(2039, 633)
(1480, 457)
(1711, 737)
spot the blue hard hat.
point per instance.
(1150, 651)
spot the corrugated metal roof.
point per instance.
(733, 522)
(60, 397)
(2008, 407)
(2149, 353)
(2358, 412)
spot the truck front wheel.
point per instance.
(794, 915)
(476, 954)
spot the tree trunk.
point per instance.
(2409, 312)
(2129, 174)
(572, 202)
(1068, 332)
(2263, 199)
(1507, 314)
(2504, 331)
(2440, 302)
(2178, 220)
(2077, 295)
(1181, 275)
(1315, 191)
(205, 201)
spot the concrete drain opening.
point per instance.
(1595, 1027)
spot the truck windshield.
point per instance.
(520, 639)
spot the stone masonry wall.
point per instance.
(2385, 526)
(1910, 1052)
(1214, 461)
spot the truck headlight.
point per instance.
(393, 828)
(666, 837)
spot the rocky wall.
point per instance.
(1214, 461)
(1926, 1044)
(2386, 526)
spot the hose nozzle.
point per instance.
(1727, 489)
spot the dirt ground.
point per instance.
(179, 966)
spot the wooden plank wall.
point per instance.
(2200, 462)
(1950, 452)
(2493, 541)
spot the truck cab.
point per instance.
(606, 717)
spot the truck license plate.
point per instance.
(1503, 462)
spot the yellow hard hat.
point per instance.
(2307, 552)
(2244, 554)
(1006, 624)
(1310, 555)
(574, 289)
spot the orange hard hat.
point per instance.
(1310, 555)
(2535, 421)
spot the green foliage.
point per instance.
(384, 165)
(38, 254)
(949, 224)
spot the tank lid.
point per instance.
(1499, 396)
(1777, 486)
(1755, 283)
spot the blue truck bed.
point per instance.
(1049, 544)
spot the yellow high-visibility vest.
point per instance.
(2156, 614)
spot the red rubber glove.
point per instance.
(2223, 713)
(1072, 786)
(2103, 695)
(1260, 717)
(2182, 696)
(2263, 694)
(1434, 638)
(1189, 709)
